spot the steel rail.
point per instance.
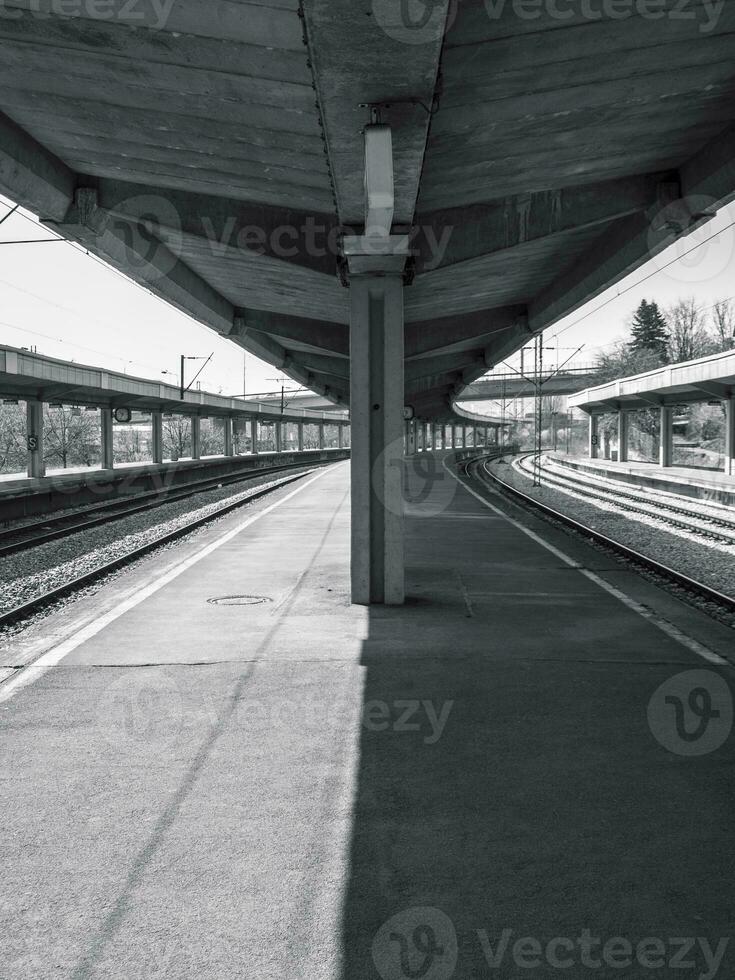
(477, 469)
(30, 606)
(42, 531)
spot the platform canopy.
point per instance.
(213, 150)
(383, 199)
(707, 379)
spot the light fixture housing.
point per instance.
(379, 188)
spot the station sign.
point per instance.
(32, 442)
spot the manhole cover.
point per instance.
(238, 600)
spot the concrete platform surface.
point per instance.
(524, 771)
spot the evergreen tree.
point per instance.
(649, 330)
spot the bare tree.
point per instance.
(13, 453)
(71, 436)
(723, 321)
(176, 437)
(688, 337)
(131, 444)
(621, 361)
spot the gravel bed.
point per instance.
(700, 509)
(46, 566)
(700, 525)
(711, 563)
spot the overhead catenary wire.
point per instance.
(639, 282)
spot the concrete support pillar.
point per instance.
(107, 452)
(411, 438)
(34, 439)
(227, 426)
(196, 441)
(665, 446)
(593, 437)
(340, 437)
(300, 436)
(278, 432)
(376, 382)
(464, 437)
(156, 437)
(622, 437)
(321, 435)
(254, 435)
(730, 435)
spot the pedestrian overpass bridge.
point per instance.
(381, 205)
(503, 385)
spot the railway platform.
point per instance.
(216, 766)
(687, 481)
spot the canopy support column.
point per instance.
(34, 439)
(227, 426)
(593, 436)
(622, 436)
(107, 451)
(730, 435)
(665, 451)
(196, 437)
(156, 437)
(376, 412)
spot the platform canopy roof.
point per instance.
(213, 150)
(30, 376)
(706, 379)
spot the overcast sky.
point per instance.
(70, 305)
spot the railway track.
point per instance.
(20, 538)
(477, 470)
(711, 527)
(26, 609)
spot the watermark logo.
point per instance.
(417, 944)
(699, 254)
(426, 489)
(691, 713)
(148, 226)
(415, 21)
(143, 706)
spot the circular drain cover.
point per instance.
(238, 600)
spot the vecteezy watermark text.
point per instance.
(420, 21)
(593, 952)
(399, 716)
(152, 14)
(708, 13)
(422, 942)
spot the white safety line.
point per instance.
(31, 673)
(643, 611)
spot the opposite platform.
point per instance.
(687, 481)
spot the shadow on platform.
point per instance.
(510, 787)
